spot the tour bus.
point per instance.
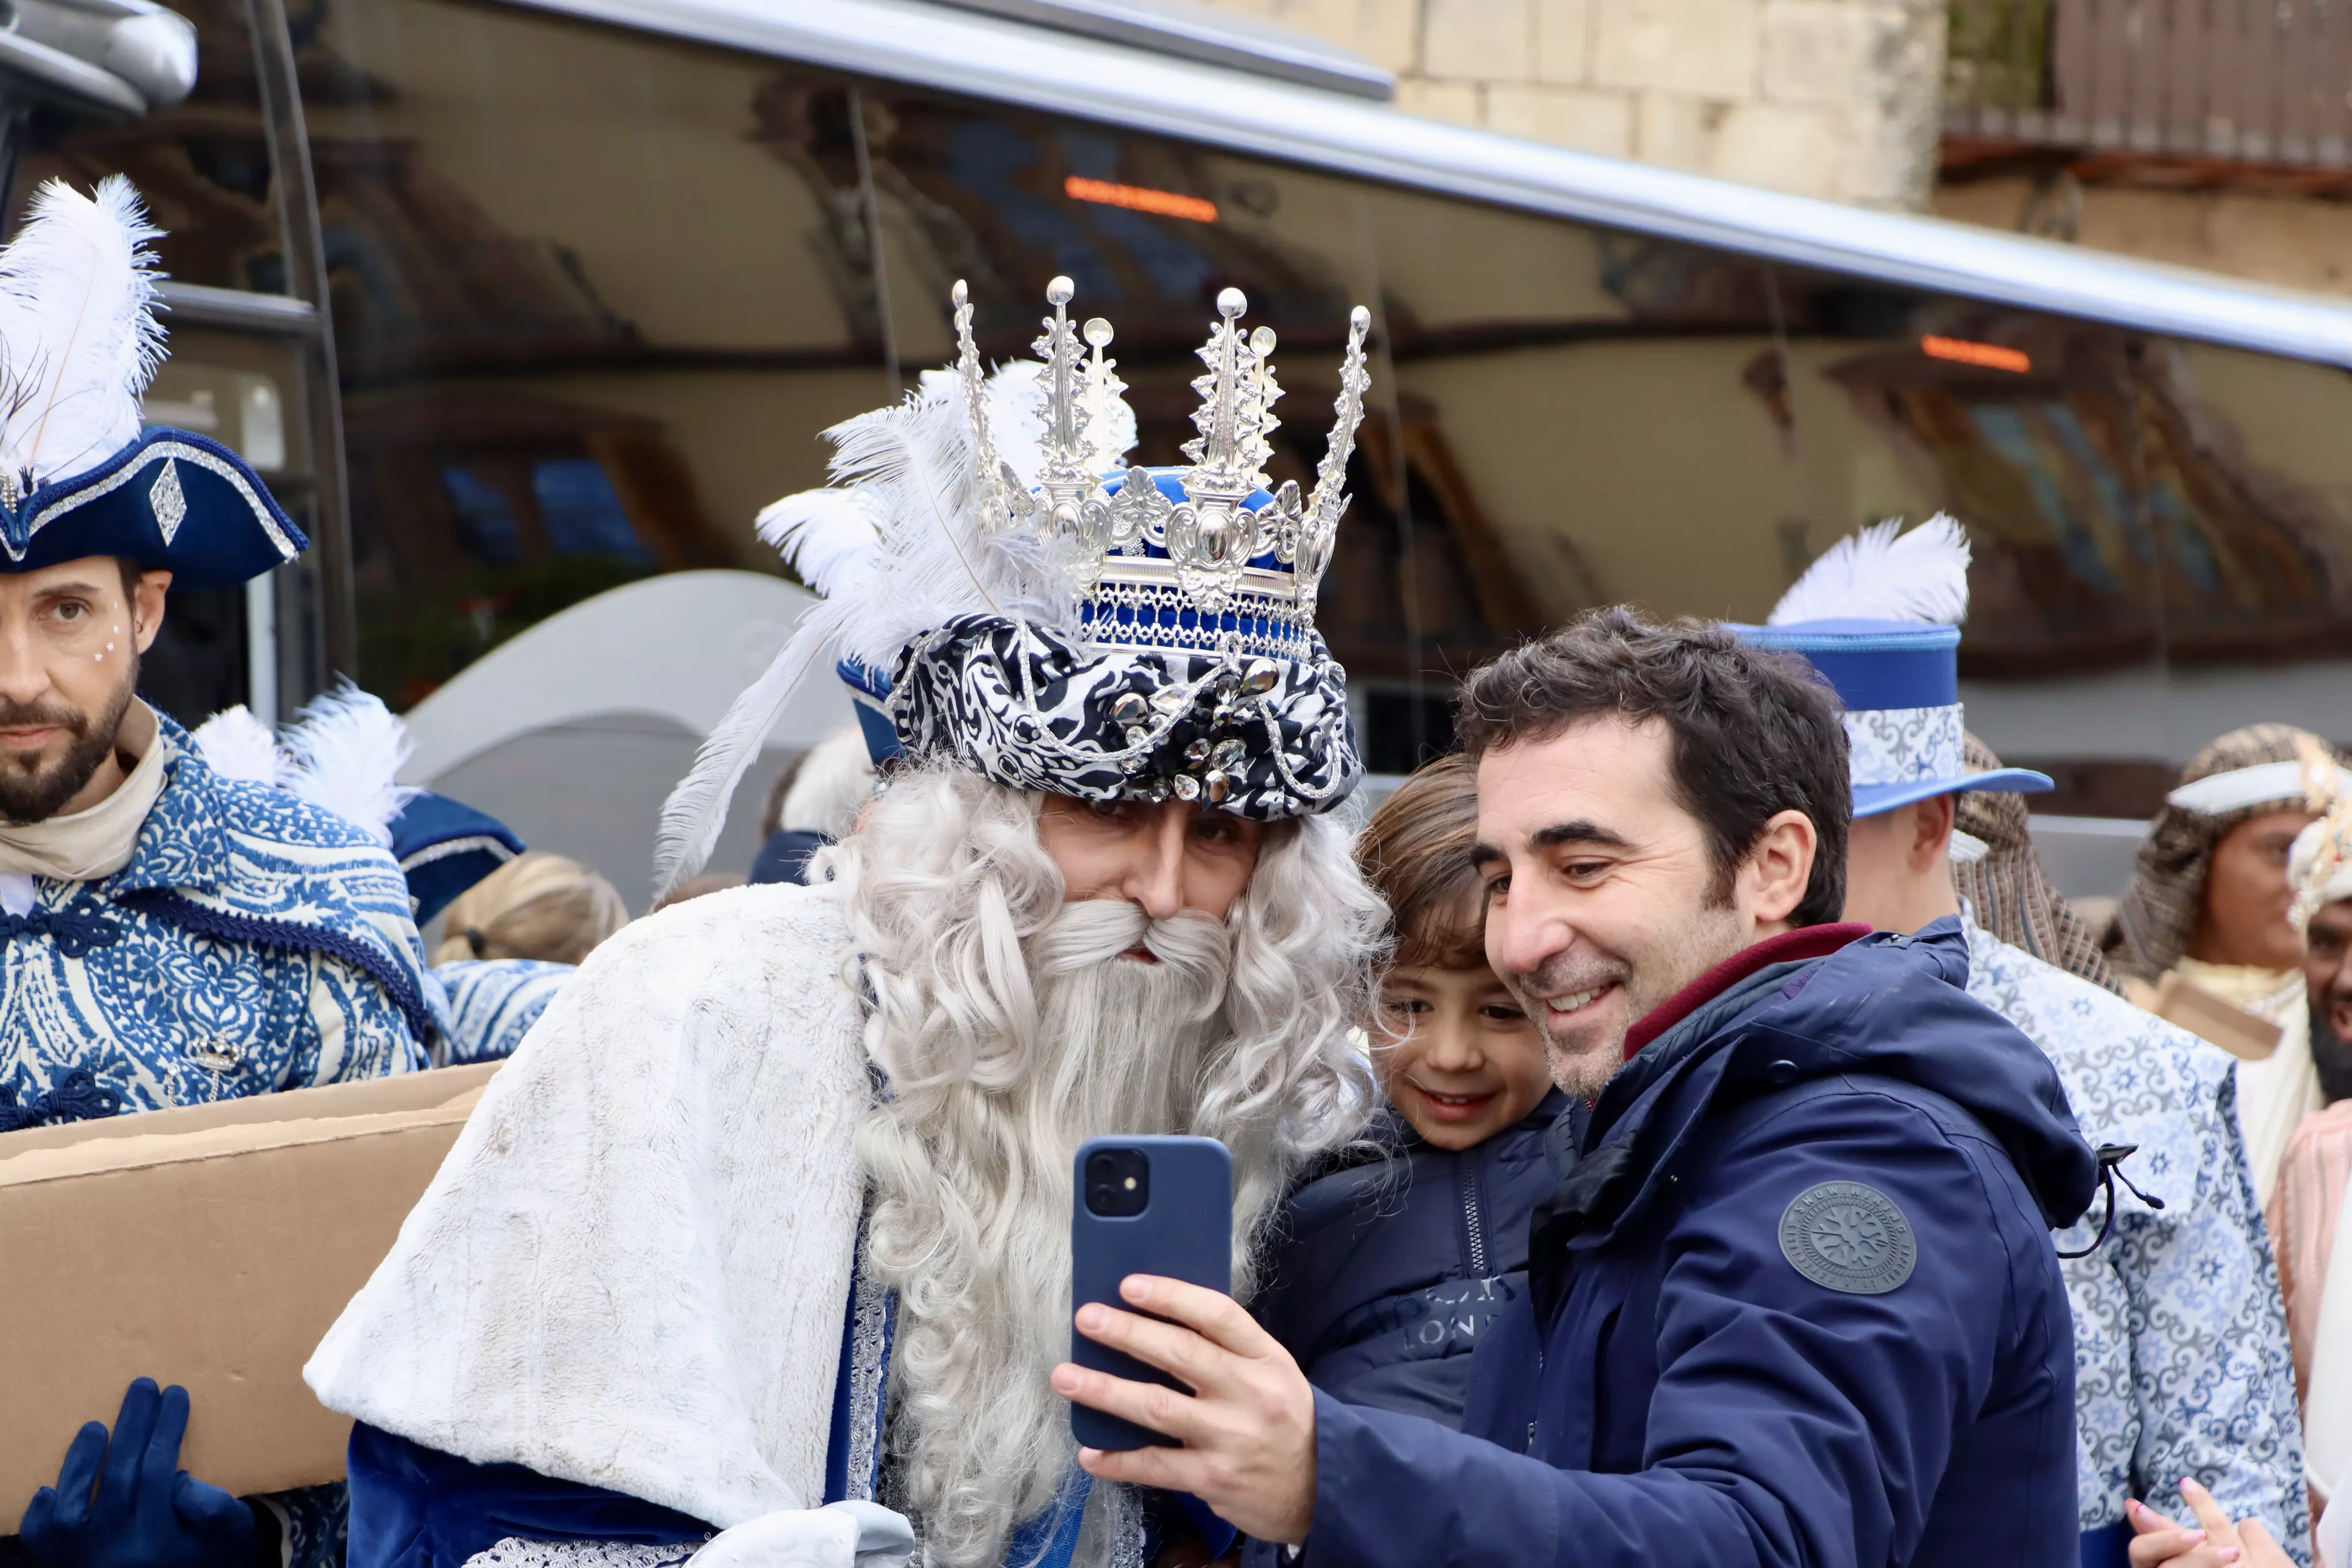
(526, 310)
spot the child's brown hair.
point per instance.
(1416, 852)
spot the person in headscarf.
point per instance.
(2006, 886)
(2209, 900)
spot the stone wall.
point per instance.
(2297, 242)
(1839, 98)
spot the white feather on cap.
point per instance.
(906, 474)
(344, 754)
(78, 339)
(1879, 573)
(236, 745)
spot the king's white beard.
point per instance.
(971, 1213)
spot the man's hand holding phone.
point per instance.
(1249, 1428)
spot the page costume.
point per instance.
(344, 754)
(226, 939)
(630, 1311)
(2181, 1353)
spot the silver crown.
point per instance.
(1141, 559)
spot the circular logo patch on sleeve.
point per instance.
(1848, 1237)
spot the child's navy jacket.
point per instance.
(1391, 1264)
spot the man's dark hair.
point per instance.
(1755, 732)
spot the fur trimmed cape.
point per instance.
(631, 1270)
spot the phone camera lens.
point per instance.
(1117, 1183)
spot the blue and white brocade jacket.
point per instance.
(492, 1004)
(252, 943)
(2180, 1349)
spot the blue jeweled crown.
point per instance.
(1000, 587)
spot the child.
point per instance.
(1392, 1261)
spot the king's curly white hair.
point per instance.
(1000, 1059)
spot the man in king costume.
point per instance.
(768, 1216)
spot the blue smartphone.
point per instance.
(1143, 1205)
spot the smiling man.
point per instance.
(1793, 1300)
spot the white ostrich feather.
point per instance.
(77, 330)
(236, 745)
(907, 473)
(828, 536)
(1880, 575)
(1016, 395)
(344, 756)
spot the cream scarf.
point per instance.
(2275, 1094)
(88, 845)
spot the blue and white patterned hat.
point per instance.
(1877, 616)
(78, 476)
(1053, 617)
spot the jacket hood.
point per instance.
(1886, 1005)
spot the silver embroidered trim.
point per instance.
(868, 1340)
(170, 504)
(1271, 623)
(516, 1552)
(129, 471)
(1898, 745)
(1128, 1552)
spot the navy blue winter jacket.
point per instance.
(1389, 1267)
(1793, 1302)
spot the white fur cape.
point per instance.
(632, 1270)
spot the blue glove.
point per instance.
(127, 1504)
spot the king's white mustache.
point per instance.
(1090, 931)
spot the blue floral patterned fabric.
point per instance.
(2180, 1349)
(253, 943)
(493, 1002)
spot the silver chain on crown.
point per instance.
(1211, 537)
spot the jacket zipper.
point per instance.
(1473, 1223)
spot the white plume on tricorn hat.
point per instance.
(1007, 590)
(1878, 617)
(78, 476)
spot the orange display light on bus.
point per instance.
(1139, 199)
(1987, 356)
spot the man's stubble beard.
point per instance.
(2331, 1054)
(32, 792)
(971, 1217)
(1582, 1067)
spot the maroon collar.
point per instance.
(1805, 942)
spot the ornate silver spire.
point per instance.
(1151, 568)
(1003, 500)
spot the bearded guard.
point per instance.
(186, 938)
(768, 1216)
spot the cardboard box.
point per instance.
(212, 1246)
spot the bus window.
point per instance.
(594, 296)
(203, 166)
(244, 390)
